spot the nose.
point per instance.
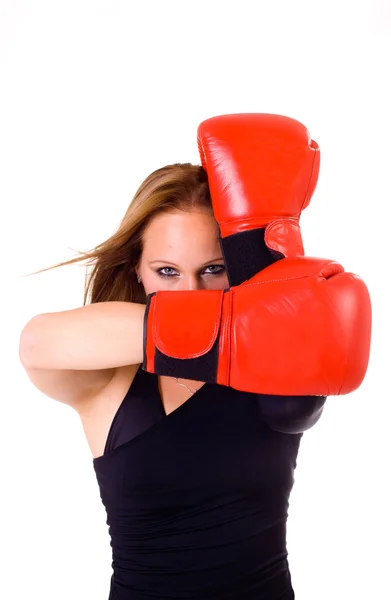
(191, 282)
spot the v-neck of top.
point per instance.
(142, 409)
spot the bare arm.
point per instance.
(97, 336)
(72, 355)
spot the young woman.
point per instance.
(195, 477)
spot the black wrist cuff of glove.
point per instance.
(246, 254)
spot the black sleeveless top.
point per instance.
(196, 500)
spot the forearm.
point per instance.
(97, 336)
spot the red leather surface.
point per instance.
(261, 168)
(302, 326)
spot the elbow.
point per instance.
(291, 414)
(29, 343)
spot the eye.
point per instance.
(161, 272)
(215, 270)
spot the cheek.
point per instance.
(218, 283)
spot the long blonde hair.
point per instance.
(113, 276)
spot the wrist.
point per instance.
(248, 252)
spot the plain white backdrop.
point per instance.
(94, 95)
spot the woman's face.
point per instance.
(181, 251)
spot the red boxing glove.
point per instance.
(262, 171)
(301, 326)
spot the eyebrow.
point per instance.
(167, 262)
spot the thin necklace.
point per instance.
(185, 386)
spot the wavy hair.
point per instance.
(111, 266)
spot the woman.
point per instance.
(195, 478)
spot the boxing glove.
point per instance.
(301, 326)
(262, 171)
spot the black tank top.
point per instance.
(196, 500)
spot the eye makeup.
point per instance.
(219, 270)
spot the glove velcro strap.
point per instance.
(186, 324)
(182, 333)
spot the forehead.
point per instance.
(180, 232)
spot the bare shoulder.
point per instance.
(73, 387)
(94, 395)
(97, 412)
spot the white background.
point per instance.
(94, 96)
